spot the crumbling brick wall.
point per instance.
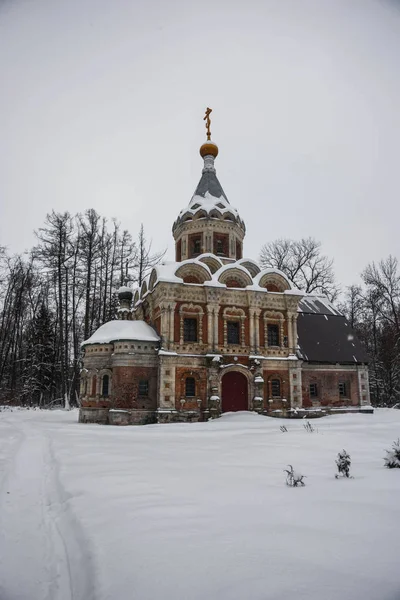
(125, 388)
(328, 388)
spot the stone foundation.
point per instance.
(93, 415)
(179, 416)
(119, 417)
(105, 416)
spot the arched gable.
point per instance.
(143, 289)
(250, 265)
(193, 272)
(234, 276)
(212, 262)
(153, 279)
(273, 280)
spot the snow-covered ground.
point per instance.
(195, 511)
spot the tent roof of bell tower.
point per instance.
(209, 183)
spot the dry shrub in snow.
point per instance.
(343, 464)
(293, 478)
(392, 460)
(308, 427)
(283, 428)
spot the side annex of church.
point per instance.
(212, 332)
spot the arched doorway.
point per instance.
(234, 392)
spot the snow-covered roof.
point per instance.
(124, 289)
(174, 272)
(318, 305)
(123, 330)
(270, 271)
(209, 203)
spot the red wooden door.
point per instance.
(234, 392)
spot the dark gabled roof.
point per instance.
(209, 183)
(327, 338)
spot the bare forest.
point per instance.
(55, 296)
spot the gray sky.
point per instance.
(102, 102)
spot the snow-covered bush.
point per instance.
(293, 478)
(343, 463)
(392, 460)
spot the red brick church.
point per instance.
(212, 332)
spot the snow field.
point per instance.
(190, 511)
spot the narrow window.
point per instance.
(94, 385)
(190, 330)
(196, 247)
(220, 247)
(276, 388)
(273, 335)
(233, 331)
(143, 387)
(105, 385)
(190, 387)
(313, 390)
(179, 251)
(342, 389)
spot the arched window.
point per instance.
(190, 387)
(105, 385)
(94, 385)
(275, 388)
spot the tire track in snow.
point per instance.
(43, 552)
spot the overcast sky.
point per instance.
(102, 102)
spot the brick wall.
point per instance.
(125, 388)
(200, 376)
(283, 376)
(328, 388)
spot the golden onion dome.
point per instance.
(209, 149)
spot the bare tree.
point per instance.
(303, 263)
(54, 252)
(384, 278)
(55, 298)
(145, 259)
(353, 304)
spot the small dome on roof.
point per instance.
(209, 149)
(125, 293)
(123, 330)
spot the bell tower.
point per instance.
(209, 224)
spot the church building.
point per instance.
(213, 332)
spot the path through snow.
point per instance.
(42, 544)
